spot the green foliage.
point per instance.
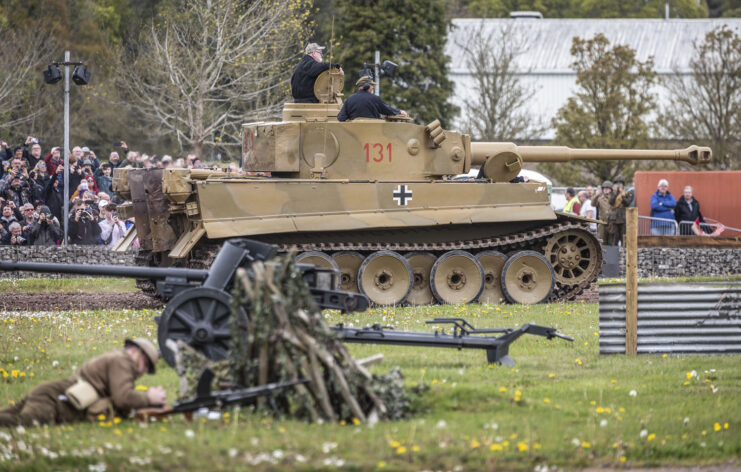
(609, 109)
(411, 33)
(706, 106)
(724, 8)
(587, 8)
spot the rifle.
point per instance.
(207, 399)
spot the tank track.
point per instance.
(534, 239)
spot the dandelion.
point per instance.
(381, 464)
(521, 446)
(546, 400)
(401, 450)
(600, 409)
(415, 448)
(552, 375)
(586, 445)
(496, 447)
(502, 389)
(578, 361)
(725, 425)
(393, 444)
(651, 437)
(623, 459)
(475, 444)
(716, 427)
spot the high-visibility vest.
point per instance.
(569, 208)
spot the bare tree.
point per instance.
(22, 57)
(498, 109)
(211, 65)
(706, 107)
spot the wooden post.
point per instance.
(631, 281)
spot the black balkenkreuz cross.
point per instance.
(402, 194)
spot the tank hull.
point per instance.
(276, 206)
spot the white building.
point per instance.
(546, 62)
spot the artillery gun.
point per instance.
(375, 199)
(200, 312)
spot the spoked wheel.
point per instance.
(385, 278)
(527, 278)
(317, 258)
(456, 277)
(492, 262)
(575, 255)
(200, 317)
(349, 263)
(421, 264)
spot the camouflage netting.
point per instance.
(286, 338)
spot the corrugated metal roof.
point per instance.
(699, 318)
(548, 41)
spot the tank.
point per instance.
(376, 199)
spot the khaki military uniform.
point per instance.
(602, 203)
(616, 218)
(112, 375)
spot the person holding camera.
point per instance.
(17, 191)
(365, 104)
(53, 160)
(15, 236)
(111, 228)
(8, 216)
(83, 225)
(46, 230)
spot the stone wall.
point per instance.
(88, 255)
(679, 262)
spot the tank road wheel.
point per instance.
(317, 258)
(200, 317)
(349, 264)
(527, 278)
(456, 277)
(575, 255)
(385, 278)
(492, 262)
(421, 264)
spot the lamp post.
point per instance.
(80, 76)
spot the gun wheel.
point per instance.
(575, 255)
(201, 318)
(527, 278)
(421, 264)
(385, 278)
(456, 277)
(492, 262)
(317, 258)
(348, 263)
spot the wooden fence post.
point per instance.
(631, 281)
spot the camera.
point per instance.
(34, 140)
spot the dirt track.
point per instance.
(76, 301)
(131, 300)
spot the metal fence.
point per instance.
(666, 226)
(689, 318)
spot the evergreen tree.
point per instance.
(609, 109)
(411, 33)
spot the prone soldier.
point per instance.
(103, 386)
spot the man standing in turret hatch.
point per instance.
(365, 104)
(306, 72)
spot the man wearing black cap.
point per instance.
(365, 104)
(103, 386)
(306, 72)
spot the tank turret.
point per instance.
(374, 199)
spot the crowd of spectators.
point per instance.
(32, 193)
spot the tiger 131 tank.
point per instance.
(376, 199)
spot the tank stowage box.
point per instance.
(376, 200)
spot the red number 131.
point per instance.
(377, 151)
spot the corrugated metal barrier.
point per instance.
(681, 318)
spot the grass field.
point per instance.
(562, 405)
(78, 284)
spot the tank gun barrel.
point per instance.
(159, 273)
(482, 150)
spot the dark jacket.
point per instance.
(662, 206)
(364, 104)
(45, 233)
(54, 198)
(304, 76)
(687, 212)
(105, 184)
(83, 232)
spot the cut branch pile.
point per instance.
(279, 335)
